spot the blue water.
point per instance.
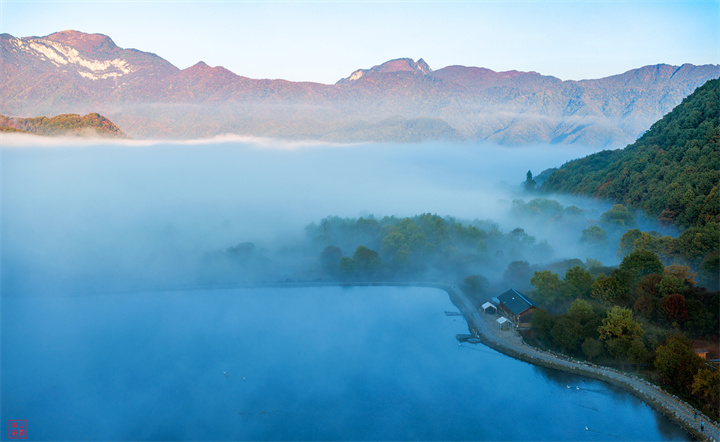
(302, 364)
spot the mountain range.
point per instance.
(399, 100)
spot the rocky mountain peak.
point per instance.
(84, 42)
(396, 65)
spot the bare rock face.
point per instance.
(401, 99)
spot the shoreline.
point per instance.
(512, 345)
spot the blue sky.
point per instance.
(324, 41)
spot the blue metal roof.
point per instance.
(515, 301)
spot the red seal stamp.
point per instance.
(17, 429)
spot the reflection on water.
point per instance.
(288, 364)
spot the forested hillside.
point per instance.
(671, 172)
(67, 124)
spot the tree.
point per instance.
(675, 308)
(594, 235)
(567, 333)
(682, 272)
(475, 284)
(578, 283)
(547, 285)
(542, 323)
(637, 352)
(347, 268)
(529, 184)
(618, 330)
(618, 216)
(677, 363)
(670, 284)
(592, 348)
(706, 386)
(517, 274)
(645, 307)
(330, 260)
(581, 310)
(367, 262)
(609, 289)
(641, 263)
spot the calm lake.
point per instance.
(288, 364)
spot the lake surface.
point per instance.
(302, 364)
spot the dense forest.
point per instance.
(662, 301)
(671, 172)
(67, 124)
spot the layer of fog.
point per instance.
(89, 217)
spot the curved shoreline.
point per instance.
(671, 406)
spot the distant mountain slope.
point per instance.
(73, 72)
(67, 124)
(671, 172)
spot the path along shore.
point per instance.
(510, 343)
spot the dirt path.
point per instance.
(510, 343)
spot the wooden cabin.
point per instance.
(517, 307)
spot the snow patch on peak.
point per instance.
(61, 54)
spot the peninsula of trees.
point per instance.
(90, 125)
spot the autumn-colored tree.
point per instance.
(682, 272)
(648, 286)
(645, 307)
(675, 308)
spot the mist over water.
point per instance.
(95, 347)
(370, 363)
(101, 216)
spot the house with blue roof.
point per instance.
(517, 307)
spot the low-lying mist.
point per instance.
(95, 217)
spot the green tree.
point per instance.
(542, 324)
(547, 285)
(641, 263)
(618, 216)
(517, 274)
(677, 363)
(609, 289)
(347, 268)
(566, 333)
(475, 284)
(670, 284)
(594, 235)
(529, 184)
(581, 310)
(592, 348)
(578, 283)
(637, 352)
(706, 386)
(330, 260)
(367, 262)
(618, 330)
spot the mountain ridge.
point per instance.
(73, 72)
(671, 172)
